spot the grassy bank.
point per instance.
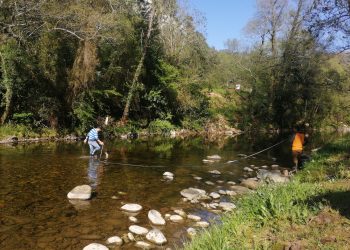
(311, 212)
(22, 131)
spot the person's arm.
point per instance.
(86, 138)
(100, 142)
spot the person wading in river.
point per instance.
(297, 146)
(93, 140)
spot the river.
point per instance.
(35, 179)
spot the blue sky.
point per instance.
(225, 19)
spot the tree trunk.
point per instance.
(9, 91)
(137, 73)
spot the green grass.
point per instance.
(267, 218)
(21, 131)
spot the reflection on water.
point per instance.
(35, 179)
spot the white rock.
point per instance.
(193, 193)
(115, 240)
(210, 183)
(242, 155)
(227, 206)
(132, 208)
(223, 192)
(248, 169)
(202, 224)
(213, 205)
(264, 166)
(156, 236)
(155, 217)
(197, 178)
(95, 246)
(193, 217)
(138, 230)
(274, 166)
(133, 219)
(131, 237)
(82, 192)
(167, 216)
(231, 193)
(220, 181)
(213, 157)
(176, 218)
(231, 183)
(180, 212)
(191, 232)
(168, 174)
(214, 195)
(215, 172)
(208, 161)
(143, 245)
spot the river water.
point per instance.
(35, 179)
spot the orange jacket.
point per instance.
(298, 142)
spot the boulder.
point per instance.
(250, 183)
(95, 246)
(132, 208)
(214, 157)
(116, 240)
(82, 192)
(176, 218)
(156, 236)
(156, 218)
(138, 230)
(215, 172)
(193, 193)
(193, 217)
(214, 195)
(227, 206)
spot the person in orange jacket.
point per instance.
(299, 140)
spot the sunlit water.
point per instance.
(35, 179)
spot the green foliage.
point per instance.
(160, 127)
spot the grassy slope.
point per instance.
(311, 212)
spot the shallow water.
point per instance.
(35, 179)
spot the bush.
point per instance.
(160, 127)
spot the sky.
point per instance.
(225, 19)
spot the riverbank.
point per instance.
(310, 212)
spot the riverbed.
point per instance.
(35, 179)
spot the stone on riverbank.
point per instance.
(143, 245)
(116, 240)
(191, 232)
(138, 230)
(193, 217)
(132, 208)
(180, 212)
(250, 183)
(168, 176)
(156, 236)
(202, 224)
(210, 183)
(214, 195)
(82, 192)
(156, 218)
(240, 189)
(231, 183)
(95, 246)
(248, 169)
(214, 157)
(193, 193)
(227, 206)
(176, 218)
(271, 176)
(197, 178)
(208, 161)
(215, 172)
(133, 219)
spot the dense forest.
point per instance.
(65, 65)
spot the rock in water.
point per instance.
(132, 208)
(133, 219)
(227, 206)
(115, 240)
(214, 157)
(138, 230)
(95, 246)
(210, 183)
(214, 195)
(248, 169)
(143, 245)
(208, 161)
(82, 192)
(202, 224)
(215, 172)
(193, 217)
(176, 218)
(155, 217)
(193, 193)
(168, 176)
(156, 236)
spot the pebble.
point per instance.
(210, 183)
(133, 219)
(274, 166)
(180, 212)
(227, 206)
(191, 232)
(114, 197)
(264, 167)
(213, 157)
(133, 208)
(115, 240)
(167, 216)
(223, 192)
(131, 237)
(215, 172)
(143, 245)
(248, 169)
(176, 218)
(193, 217)
(156, 236)
(220, 181)
(202, 224)
(95, 246)
(231, 183)
(156, 218)
(138, 230)
(208, 161)
(214, 195)
(168, 176)
(82, 192)
(197, 178)
(231, 193)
